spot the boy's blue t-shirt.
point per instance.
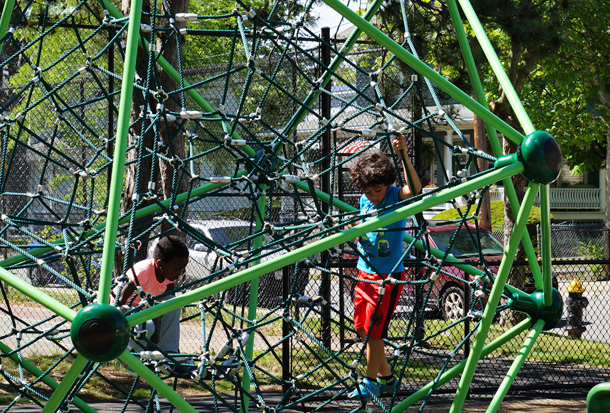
(382, 249)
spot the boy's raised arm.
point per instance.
(411, 177)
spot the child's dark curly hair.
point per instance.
(372, 168)
(169, 247)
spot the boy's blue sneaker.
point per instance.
(388, 388)
(365, 390)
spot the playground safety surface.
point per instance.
(471, 406)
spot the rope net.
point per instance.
(243, 127)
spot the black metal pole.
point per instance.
(286, 360)
(325, 107)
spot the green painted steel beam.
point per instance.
(464, 266)
(473, 72)
(153, 380)
(7, 10)
(66, 384)
(425, 70)
(42, 376)
(598, 398)
(253, 302)
(545, 247)
(511, 195)
(318, 246)
(498, 68)
(491, 132)
(458, 368)
(529, 343)
(37, 295)
(494, 298)
(118, 165)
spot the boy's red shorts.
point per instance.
(365, 303)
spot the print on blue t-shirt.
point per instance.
(382, 248)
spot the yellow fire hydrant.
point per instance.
(575, 305)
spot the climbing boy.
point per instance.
(380, 257)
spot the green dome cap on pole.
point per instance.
(541, 156)
(100, 332)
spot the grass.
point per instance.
(97, 389)
(555, 348)
(550, 347)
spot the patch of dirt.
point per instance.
(515, 406)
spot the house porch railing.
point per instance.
(567, 199)
(564, 198)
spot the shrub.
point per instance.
(497, 215)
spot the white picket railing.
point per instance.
(570, 199)
(564, 198)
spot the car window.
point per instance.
(228, 235)
(464, 244)
(231, 235)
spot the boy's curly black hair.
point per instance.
(372, 168)
(170, 246)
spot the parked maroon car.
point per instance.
(449, 292)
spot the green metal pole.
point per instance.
(528, 247)
(322, 244)
(425, 70)
(7, 10)
(473, 72)
(497, 67)
(458, 368)
(45, 378)
(467, 268)
(545, 247)
(494, 298)
(253, 303)
(66, 384)
(37, 295)
(530, 340)
(491, 132)
(149, 377)
(118, 165)
(598, 398)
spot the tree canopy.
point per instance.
(568, 91)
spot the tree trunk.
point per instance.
(604, 98)
(516, 277)
(139, 174)
(480, 142)
(169, 173)
(136, 174)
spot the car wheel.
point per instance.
(452, 303)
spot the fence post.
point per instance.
(286, 360)
(325, 105)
